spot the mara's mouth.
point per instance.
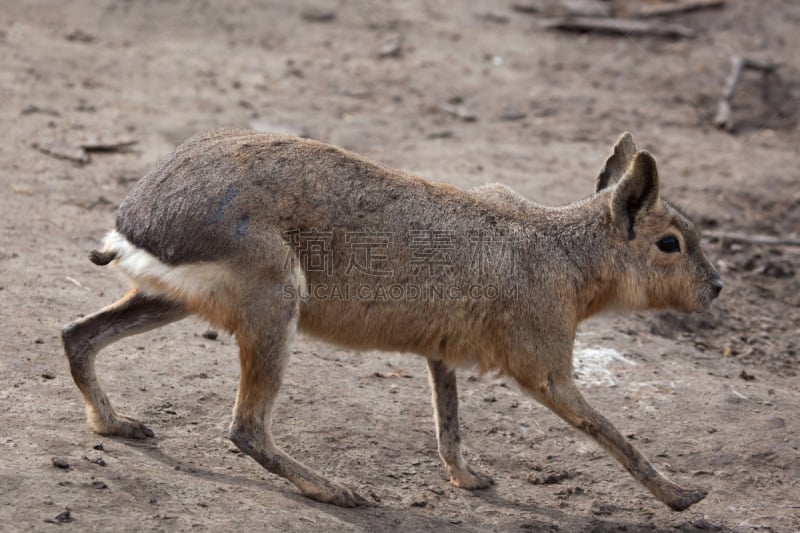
(702, 306)
(705, 299)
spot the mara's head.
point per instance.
(656, 252)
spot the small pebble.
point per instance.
(746, 376)
(210, 334)
(64, 516)
(97, 460)
(60, 462)
(313, 14)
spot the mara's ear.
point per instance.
(617, 163)
(635, 194)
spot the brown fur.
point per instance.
(233, 213)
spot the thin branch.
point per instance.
(724, 119)
(619, 26)
(687, 6)
(753, 239)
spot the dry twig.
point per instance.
(753, 239)
(724, 117)
(674, 8)
(619, 26)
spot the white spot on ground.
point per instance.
(595, 365)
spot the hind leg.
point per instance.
(263, 336)
(133, 313)
(445, 414)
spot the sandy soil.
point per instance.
(712, 399)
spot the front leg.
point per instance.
(562, 396)
(445, 414)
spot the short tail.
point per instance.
(102, 258)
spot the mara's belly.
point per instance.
(428, 329)
(373, 324)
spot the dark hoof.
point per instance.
(687, 499)
(340, 497)
(125, 426)
(471, 480)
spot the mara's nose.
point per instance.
(717, 286)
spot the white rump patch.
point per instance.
(196, 281)
(594, 364)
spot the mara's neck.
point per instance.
(573, 242)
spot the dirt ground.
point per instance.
(463, 92)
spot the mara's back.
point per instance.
(219, 191)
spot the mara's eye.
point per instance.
(669, 244)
